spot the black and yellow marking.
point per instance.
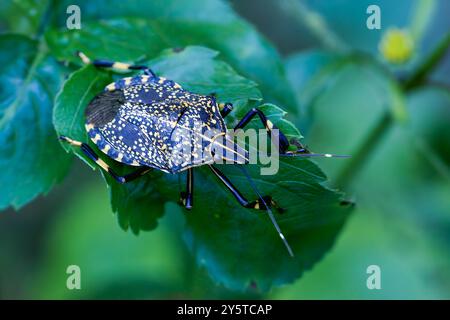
(83, 57)
(225, 109)
(261, 205)
(71, 141)
(121, 66)
(283, 141)
(128, 81)
(114, 64)
(111, 87)
(87, 150)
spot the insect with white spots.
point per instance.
(143, 121)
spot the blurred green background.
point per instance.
(401, 221)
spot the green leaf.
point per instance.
(314, 73)
(85, 234)
(30, 159)
(206, 78)
(75, 94)
(134, 39)
(221, 233)
(241, 249)
(303, 67)
(138, 204)
(310, 74)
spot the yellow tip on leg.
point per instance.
(71, 141)
(120, 66)
(84, 57)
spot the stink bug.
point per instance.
(139, 121)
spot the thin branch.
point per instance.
(314, 22)
(429, 64)
(357, 161)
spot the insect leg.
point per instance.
(283, 143)
(115, 65)
(187, 198)
(87, 150)
(225, 109)
(256, 204)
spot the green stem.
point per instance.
(434, 160)
(386, 121)
(421, 16)
(420, 74)
(314, 22)
(357, 161)
(45, 19)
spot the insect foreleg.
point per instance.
(283, 143)
(225, 109)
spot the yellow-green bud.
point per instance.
(396, 46)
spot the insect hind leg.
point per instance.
(87, 150)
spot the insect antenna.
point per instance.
(310, 155)
(302, 151)
(269, 211)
